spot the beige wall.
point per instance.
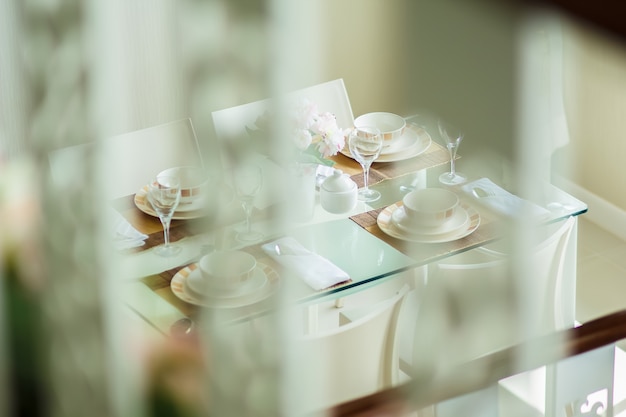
(388, 53)
(361, 41)
(596, 106)
(364, 43)
(374, 59)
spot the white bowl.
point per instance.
(338, 193)
(194, 182)
(430, 207)
(390, 125)
(223, 270)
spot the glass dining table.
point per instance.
(356, 241)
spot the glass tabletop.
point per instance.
(352, 241)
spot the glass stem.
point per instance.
(366, 172)
(452, 149)
(247, 208)
(166, 229)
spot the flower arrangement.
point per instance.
(315, 134)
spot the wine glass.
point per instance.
(365, 144)
(452, 137)
(248, 180)
(164, 196)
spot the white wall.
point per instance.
(593, 164)
(365, 43)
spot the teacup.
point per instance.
(390, 125)
(226, 269)
(430, 207)
(193, 182)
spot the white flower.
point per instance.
(303, 138)
(319, 130)
(324, 123)
(335, 141)
(315, 135)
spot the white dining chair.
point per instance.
(329, 96)
(349, 361)
(230, 126)
(466, 310)
(463, 311)
(128, 161)
(549, 282)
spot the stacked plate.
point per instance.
(394, 222)
(413, 142)
(200, 196)
(189, 286)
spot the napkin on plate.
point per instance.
(501, 201)
(317, 271)
(125, 236)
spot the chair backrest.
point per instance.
(467, 310)
(350, 361)
(128, 161)
(463, 311)
(329, 96)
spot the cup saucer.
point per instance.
(408, 139)
(403, 222)
(418, 141)
(197, 204)
(389, 227)
(222, 196)
(196, 284)
(268, 287)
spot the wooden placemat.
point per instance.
(435, 155)
(488, 230)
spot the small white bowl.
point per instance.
(338, 193)
(193, 182)
(390, 125)
(430, 207)
(223, 270)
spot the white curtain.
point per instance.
(15, 100)
(543, 121)
(80, 71)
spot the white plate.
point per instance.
(400, 219)
(196, 286)
(415, 139)
(194, 210)
(409, 138)
(268, 278)
(386, 224)
(197, 204)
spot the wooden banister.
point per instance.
(602, 15)
(488, 370)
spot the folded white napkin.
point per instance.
(317, 271)
(501, 201)
(125, 236)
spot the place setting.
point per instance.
(429, 215)
(400, 140)
(225, 279)
(199, 193)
